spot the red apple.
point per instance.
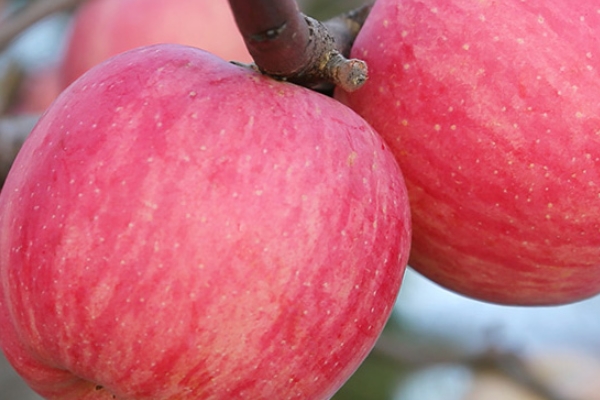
(178, 227)
(492, 109)
(104, 28)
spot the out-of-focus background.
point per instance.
(437, 345)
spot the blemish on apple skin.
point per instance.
(352, 158)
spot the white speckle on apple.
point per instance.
(386, 23)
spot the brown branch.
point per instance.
(11, 77)
(345, 27)
(506, 363)
(13, 132)
(291, 46)
(17, 23)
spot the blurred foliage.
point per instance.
(321, 9)
(378, 377)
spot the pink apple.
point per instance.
(104, 28)
(492, 109)
(178, 227)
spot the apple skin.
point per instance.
(492, 109)
(104, 28)
(178, 227)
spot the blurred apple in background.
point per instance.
(492, 109)
(103, 28)
(164, 237)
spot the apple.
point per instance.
(179, 227)
(103, 28)
(492, 109)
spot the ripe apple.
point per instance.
(103, 28)
(492, 109)
(178, 227)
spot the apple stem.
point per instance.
(288, 45)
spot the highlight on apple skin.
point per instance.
(178, 227)
(492, 110)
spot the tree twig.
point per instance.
(345, 27)
(291, 46)
(507, 363)
(12, 25)
(13, 132)
(11, 77)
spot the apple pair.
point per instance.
(177, 227)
